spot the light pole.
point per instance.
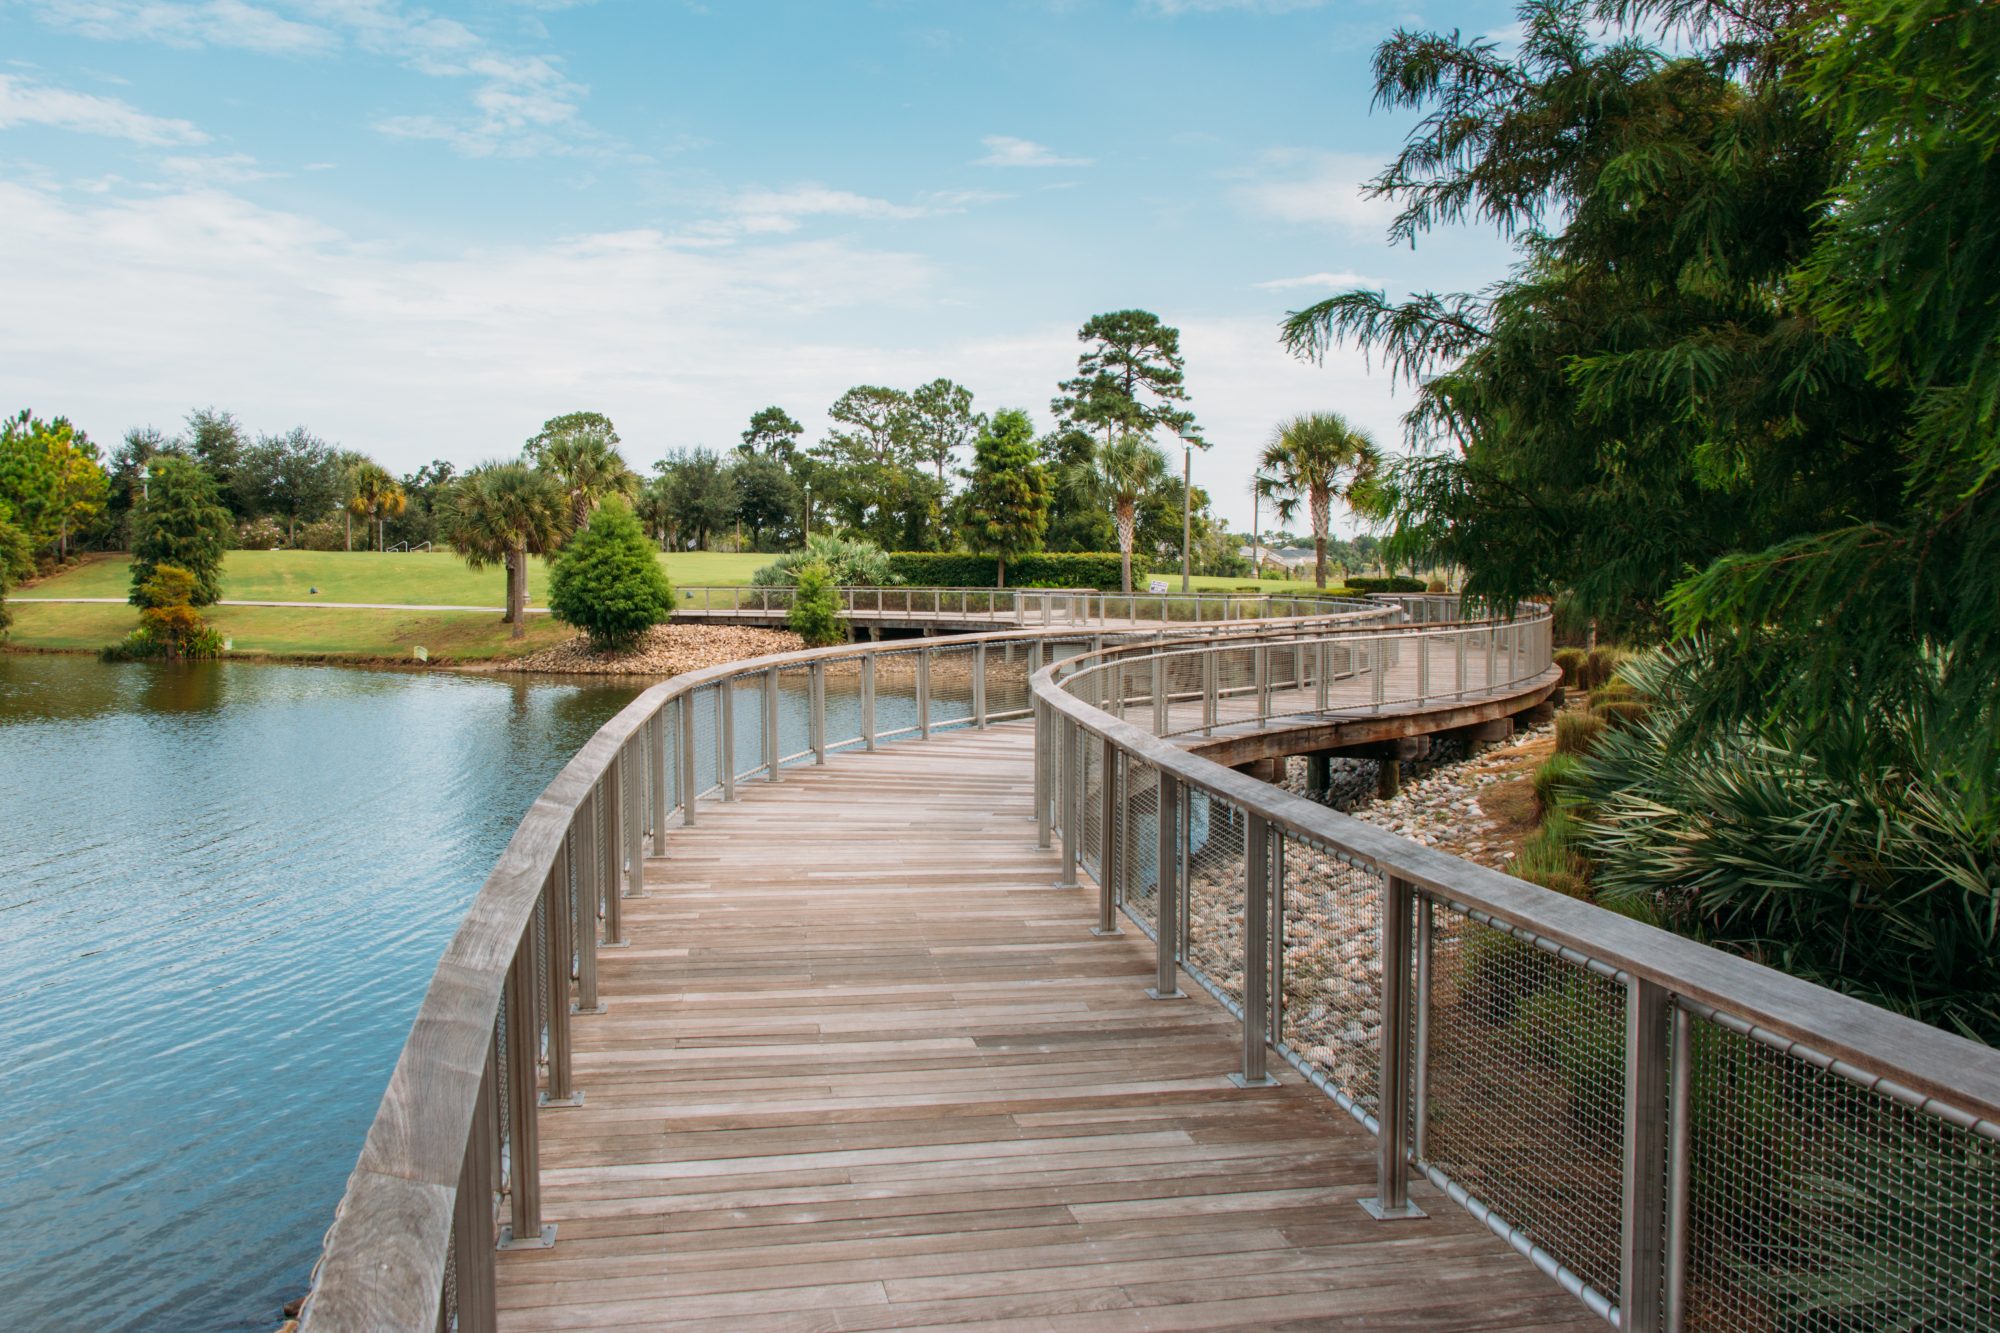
(1187, 513)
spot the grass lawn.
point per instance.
(424, 579)
(299, 631)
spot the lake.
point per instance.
(223, 888)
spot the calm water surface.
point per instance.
(222, 892)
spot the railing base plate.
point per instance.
(1099, 930)
(1265, 1082)
(546, 1240)
(599, 1008)
(1154, 993)
(542, 1099)
(1373, 1207)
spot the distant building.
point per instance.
(1292, 559)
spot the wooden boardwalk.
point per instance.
(865, 1067)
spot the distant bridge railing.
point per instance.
(1681, 1137)
(1026, 607)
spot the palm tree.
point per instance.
(1316, 456)
(1120, 473)
(502, 513)
(376, 497)
(588, 468)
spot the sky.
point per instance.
(420, 232)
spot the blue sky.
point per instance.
(421, 231)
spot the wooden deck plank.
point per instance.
(864, 1067)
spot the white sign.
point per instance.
(1157, 586)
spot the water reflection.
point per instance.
(223, 888)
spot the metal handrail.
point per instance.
(421, 1199)
(1091, 733)
(1036, 606)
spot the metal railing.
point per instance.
(450, 1168)
(1681, 1137)
(1026, 607)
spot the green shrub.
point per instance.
(1549, 780)
(1551, 857)
(169, 626)
(180, 522)
(1571, 661)
(815, 610)
(1044, 569)
(1621, 712)
(1366, 583)
(851, 562)
(607, 583)
(259, 534)
(1577, 732)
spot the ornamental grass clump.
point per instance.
(1577, 732)
(1551, 779)
(607, 582)
(1571, 661)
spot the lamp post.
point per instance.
(1187, 513)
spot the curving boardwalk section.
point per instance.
(864, 1066)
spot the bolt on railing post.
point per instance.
(1392, 1137)
(523, 1141)
(472, 1219)
(657, 753)
(725, 735)
(1256, 953)
(1642, 1239)
(772, 751)
(979, 686)
(1069, 750)
(556, 904)
(1167, 897)
(1107, 841)
(868, 701)
(610, 847)
(924, 693)
(818, 719)
(685, 716)
(1680, 1106)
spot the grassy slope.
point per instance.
(434, 579)
(300, 631)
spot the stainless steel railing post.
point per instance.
(1107, 841)
(1167, 896)
(1159, 693)
(725, 735)
(656, 750)
(582, 859)
(1392, 1137)
(1256, 954)
(818, 719)
(979, 685)
(472, 1219)
(1680, 1107)
(773, 753)
(924, 693)
(1044, 770)
(523, 1140)
(557, 904)
(610, 848)
(685, 715)
(1642, 1238)
(634, 798)
(868, 702)
(1420, 1097)
(1069, 751)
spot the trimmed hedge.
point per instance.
(1390, 583)
(1046, 569)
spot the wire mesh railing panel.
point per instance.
(1090, 831)
(1007, 670)
(951, 686)
(1816, 1205)
(1217, 883)
(746, 710)
(1139, 829)
(700, 706)
(795, 715)
(841, 683)
(1526, 1069)
(1332, 982)
(896, 676)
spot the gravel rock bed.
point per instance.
(1332, 956)
(665, 650)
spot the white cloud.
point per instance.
(1004, 150)
(1325, 281)
(217, 169)
(1213, 6)
(1311, 187)
(187, 23)
(24, 103)
(764, 212)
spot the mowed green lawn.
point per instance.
(465, 636)
(425, 579)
